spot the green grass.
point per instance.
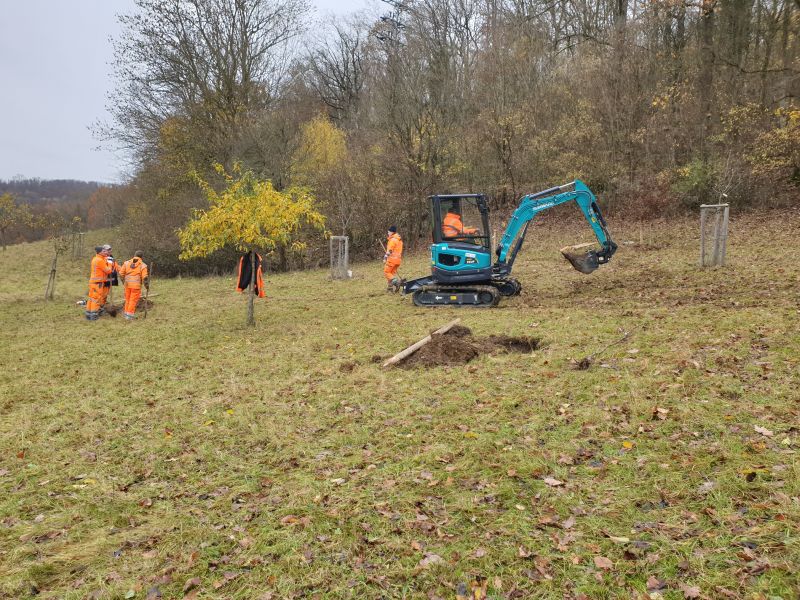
(140, 455)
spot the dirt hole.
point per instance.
(458, 346)
(115, 309)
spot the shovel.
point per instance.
(581, 260)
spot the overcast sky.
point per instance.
(54, 77)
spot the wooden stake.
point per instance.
(413, 348)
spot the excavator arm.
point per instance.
(532, 204)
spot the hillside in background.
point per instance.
(50, 191)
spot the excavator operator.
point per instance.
(453, 226)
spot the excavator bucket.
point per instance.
(580, 258)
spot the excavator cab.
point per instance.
(461, 238)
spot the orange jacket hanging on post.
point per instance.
(244, 276)
(98, 278)
(133, 272)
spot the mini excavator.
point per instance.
(463, 273)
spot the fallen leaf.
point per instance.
(569, 523)
(619, 539)
(706, 487)
(430, 559)
(660, 414)
(153, 593)
(601, 562)
(654, 583)
(478, 587)
(191, 584)
(146, 503)
(480, 552)
(21, 454)
(627, 445)
(763, 431)
(289, 520)
(692, 591)
(149, 554)
(552, 482)
(523, 553)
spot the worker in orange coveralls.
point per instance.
(134, 274)
(392, 260)
(99, 282)
(453, 226)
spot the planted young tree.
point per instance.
(249, 215)
(61, 237)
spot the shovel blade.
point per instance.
(582, 260)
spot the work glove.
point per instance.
(385, 257)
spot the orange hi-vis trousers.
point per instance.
(98, 290)
(132, 296)
(95, 301)
(390, 271)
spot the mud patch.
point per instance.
(458, 347)
(347, 367)
(114, 309)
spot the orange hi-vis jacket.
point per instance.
(100, 271)
(394, 250)
(133, 273)
(452, 226)
(99, 286)
(244, 275)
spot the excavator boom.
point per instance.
(533, 204)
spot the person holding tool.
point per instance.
(134, 274)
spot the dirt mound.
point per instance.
(458, 346)
(442, 350)
(459, 331)
(144, 303)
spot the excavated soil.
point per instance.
(114, 309)
(458, 346)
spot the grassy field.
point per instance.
(185, 455)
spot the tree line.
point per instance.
(33, 209)
(659, 106)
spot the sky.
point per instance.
(54, 79)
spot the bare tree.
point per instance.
(204, 63)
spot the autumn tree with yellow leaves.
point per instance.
(249, 215)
